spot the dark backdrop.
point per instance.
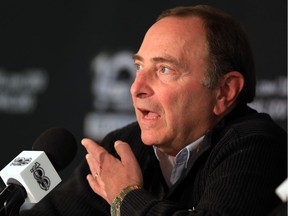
(68, 64)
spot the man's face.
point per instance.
(172, 106)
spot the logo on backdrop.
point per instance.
(112, 77)
(19, 90)
(271, 97)
(39, 175)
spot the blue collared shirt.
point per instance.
(172, 167)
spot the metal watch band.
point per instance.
(115, 206)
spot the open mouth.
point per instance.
(147, 114)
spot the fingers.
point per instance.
(129, 161)
(97, 186)
(93, 157)
(125, 152)
(92, 147)
(109, 175)
(96, 154)
(93, 183)
(94, 165)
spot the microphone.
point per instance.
(33, 174)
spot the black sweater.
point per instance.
(235, 171)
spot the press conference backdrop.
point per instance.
(68, 64)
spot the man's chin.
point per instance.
(148, 140)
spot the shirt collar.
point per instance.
(182, 156)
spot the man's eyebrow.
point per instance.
(165, 59)
(137, 57)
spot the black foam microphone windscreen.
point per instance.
(59, 145)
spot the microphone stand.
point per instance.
(11, 199)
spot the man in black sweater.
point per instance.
(197, 148)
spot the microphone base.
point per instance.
(11, 199)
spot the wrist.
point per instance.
(115, 206)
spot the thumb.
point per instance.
(125, 152)
(129, 161)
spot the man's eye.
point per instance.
(165, 70)
(138, 67)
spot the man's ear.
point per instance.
(228, 90)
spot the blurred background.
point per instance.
(68, 64)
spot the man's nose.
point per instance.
(141, 87)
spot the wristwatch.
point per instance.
(115, 206)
